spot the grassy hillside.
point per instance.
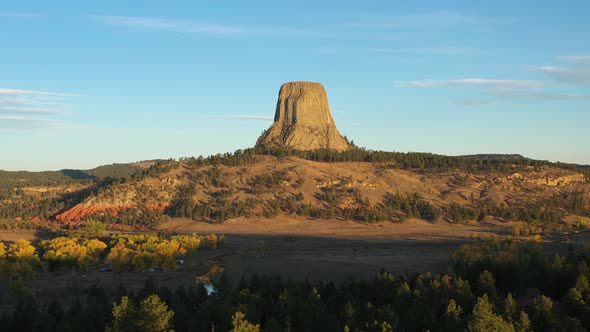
(355, 185)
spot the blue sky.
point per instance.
(85, 83)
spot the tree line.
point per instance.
(22, 259)
(427, 162)
(491, 285)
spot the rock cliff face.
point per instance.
(303, 120)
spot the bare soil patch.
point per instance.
(11, 236)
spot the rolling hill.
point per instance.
(360, 185)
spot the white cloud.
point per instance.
(437, 50)
(247, 117)
(575, 58)
(28, 102)
(566, 75)
(25, 118)
(26, 123)
(13, 92)
(172, 25)
(223, 30)
(472, 82)
(540, 95)
(29, 110)
(440, 19)
(499, 96)
(17, 104)
(497, 91)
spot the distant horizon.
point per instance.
(208, 155)
(85, 84)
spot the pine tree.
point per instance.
(485, 320)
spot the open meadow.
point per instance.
(294, 249)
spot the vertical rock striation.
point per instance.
(303, 120)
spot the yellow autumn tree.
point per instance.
(120, 257)
(240, 324)
(95, 247)
(166, 253)
(22, 250)
(61, 250)
(22, 260)
(72, 251)
(152, 315)
(190, 243)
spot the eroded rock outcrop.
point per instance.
(84, 211)
(303, 120)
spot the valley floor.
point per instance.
(412, 229)
(298, 249)
(336, 250)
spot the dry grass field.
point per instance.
(295, 249)
(336, 250)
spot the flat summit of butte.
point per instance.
(303, 120)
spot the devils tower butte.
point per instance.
(303, 120)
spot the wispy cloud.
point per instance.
(472, 82)
(18, 105)
(499, 96)
(566, 75)
(16, 92)
(18, 101)
(495, 91)
(26, 123)
(246, 117)
(541, 95)
(434, 20)
(441, 50)
(422, 20)
(28, 110)
(172, 25)
(575, 58)
(206, 28)
(435, 50)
